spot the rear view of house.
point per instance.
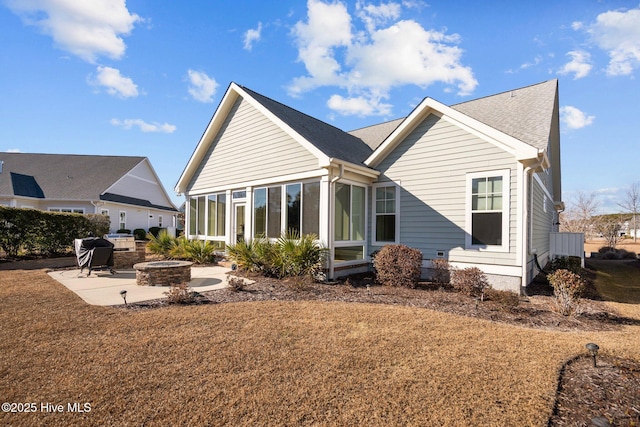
(477, 183)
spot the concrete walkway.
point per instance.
(103, 288)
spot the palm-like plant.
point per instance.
(163, 245)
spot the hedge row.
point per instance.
(45, 233)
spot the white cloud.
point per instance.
(144, 126)
(577, 25)
(537, 60)
(201, 87)
(369, 63)
(13, 150)
(87, 29)
(115, 83)
(360, 106)
(618, 33)
(252, 36)
(580, 64)
(374, 16)
(573, 118)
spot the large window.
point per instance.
(207, 215)
(385, 205)
(349, 212)
(488, 215)
(300, 214)
(216, 204)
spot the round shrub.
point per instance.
(471, 281)
(398, 265)
(139, 234)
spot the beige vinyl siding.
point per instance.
(431, 165)
(249, 147)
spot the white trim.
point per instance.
(374, 213)
(282, 179)
(506, 210)
(543, 186)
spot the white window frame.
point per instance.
(104, 212)
(374, 222)
(505, 174)
(67, 210)
(160, 221)
(349, 243)
(120, 223)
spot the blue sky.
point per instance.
(144, 77)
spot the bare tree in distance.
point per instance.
(631, 203)
(578, 217)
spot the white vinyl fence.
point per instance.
(567, 244)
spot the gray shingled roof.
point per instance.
(332, 141)
(374, 135)
(524, 113)
(62, 176)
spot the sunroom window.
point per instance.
(349, 212)
(216, 205)
(300, 214)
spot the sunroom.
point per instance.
(332, 206)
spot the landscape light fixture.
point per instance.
(123, 294)
(593, 351)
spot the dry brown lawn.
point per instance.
(278, 362)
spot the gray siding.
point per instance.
(541, 226)
(431, 164)
(249, 147)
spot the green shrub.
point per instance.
(155, 230)
(398, 265)
(567, 290)
(139, 234)
(471, 281)
(163, 244)
(441, 272)
(571, 263)
(290, 255)
(198, 251)
(46, 233)
(124, 231)
(250, 255)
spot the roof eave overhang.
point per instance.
(350, 167)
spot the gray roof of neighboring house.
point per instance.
(332, 141)
(65, 176)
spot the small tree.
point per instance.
(609, 226)
(631, 203)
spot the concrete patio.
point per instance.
(103, 288)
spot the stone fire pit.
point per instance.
(163, 273)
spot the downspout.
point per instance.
(527, 197)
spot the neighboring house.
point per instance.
(125, 188)
(477, 183)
